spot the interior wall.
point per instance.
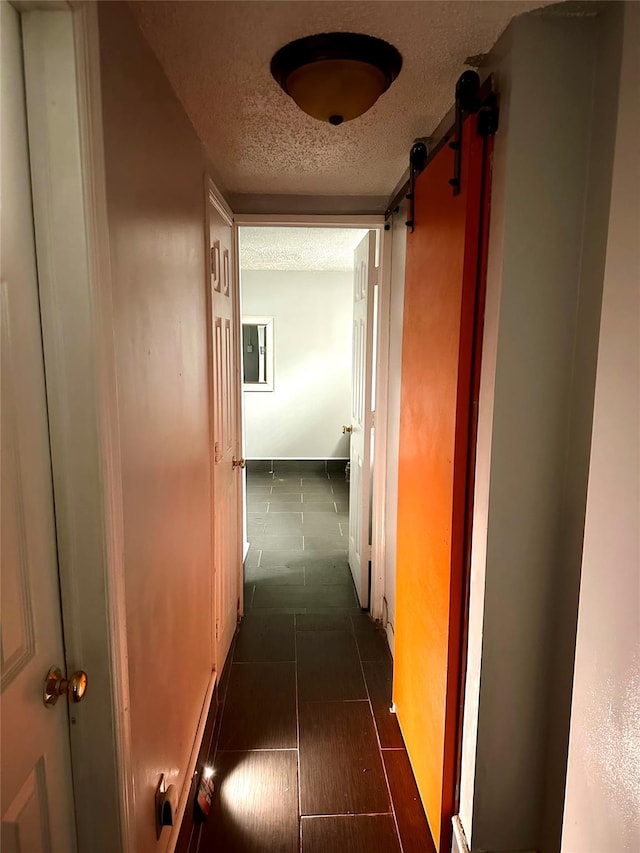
(302, 417)
(602, 806)
(540, 343)
(564, 615)
(155, 169)
(396, 313)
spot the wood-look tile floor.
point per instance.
(306, 753)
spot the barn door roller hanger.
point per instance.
(471, 97)
(470, 100)
(417, 161)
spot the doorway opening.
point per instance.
(308, 754)
(308, 314)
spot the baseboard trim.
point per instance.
(459, 842)
(459, 839)
(284, 465)
(297, 458)
(193, 759)
(391, 638)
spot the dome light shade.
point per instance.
(336, 77)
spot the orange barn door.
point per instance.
(444, 299)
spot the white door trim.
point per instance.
(217, 200)
(66, 140)
(241, 519)
(314, 221)
(241, 421)
(379, 500)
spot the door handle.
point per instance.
(346, 429)
(239, 463)
(56, 686)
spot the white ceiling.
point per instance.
(216, 55)
(298, 248)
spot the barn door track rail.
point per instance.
(471, 97)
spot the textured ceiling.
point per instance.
(298, 248)
(217, 55)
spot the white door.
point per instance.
(227, 532)
(37, 799)
(364, 281)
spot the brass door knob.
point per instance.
(239, 463)
(346, 429)
(55, 686)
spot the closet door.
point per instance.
(444, 296)
(225, 431)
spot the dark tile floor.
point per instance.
(307, 755)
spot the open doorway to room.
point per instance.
(308, 754)
(301, 386)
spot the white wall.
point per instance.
(155, 169)
(548, 233)
(302, 417)
(396, 314)
(602, 806)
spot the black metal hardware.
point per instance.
(467, 89)
(417, 162)
(488, 117)
(484, 102)
(390, 211)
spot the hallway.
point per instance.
(140, 140)
(306, 754)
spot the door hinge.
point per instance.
(217, 627)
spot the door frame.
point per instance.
(373, 222)
(63, 95)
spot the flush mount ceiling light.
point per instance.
(336, 77)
